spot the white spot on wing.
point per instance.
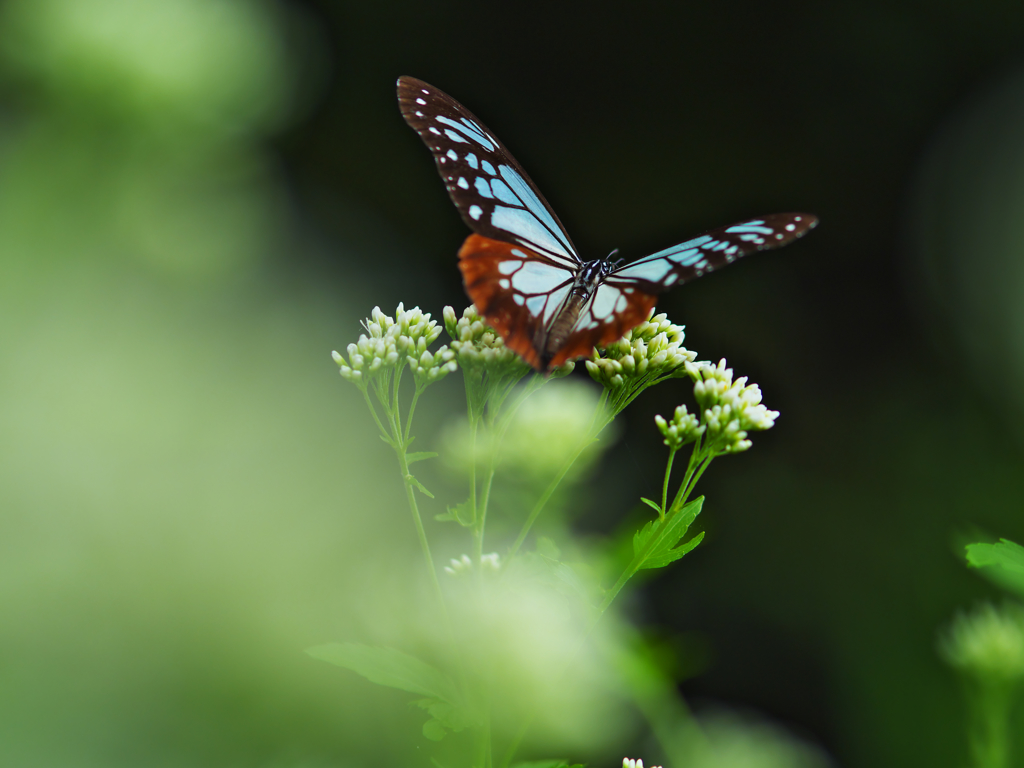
(463, 183)
(475, 212)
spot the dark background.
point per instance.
(831, 559)
(177, 447)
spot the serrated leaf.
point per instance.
(444, 517)
(388, 667)
(412, 458)
(1003, 563)
(652, 505)
(656, 541)
(420, 486)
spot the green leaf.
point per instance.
(388, 667)
(412, 479)
(1003, 563)
(444, 717)
(433, 730)
(657, 540)
(547, 764)
(412, 458)
(461, 513)
(656, 507)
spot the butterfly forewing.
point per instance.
(491, 191)
(693, 258)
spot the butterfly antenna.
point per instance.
(610, 256)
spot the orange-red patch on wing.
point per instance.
(479, 258)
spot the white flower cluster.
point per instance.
(628, 763)
(684, 428)
(476, 343)
(464, 564)
(729, 408)
(987, 643)
(654, 348)
(390, 342)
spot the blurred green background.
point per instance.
(199, 199)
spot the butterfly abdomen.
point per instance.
(561, 327)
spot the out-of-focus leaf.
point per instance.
(460, 513)
(433, 730)
(421, 487)
(1003, 563)
(388, 667)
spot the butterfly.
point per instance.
(520, 268)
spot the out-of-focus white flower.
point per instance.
(490, 562)
(987, 643)
(630, 763)
(548, 429)
(651, 350)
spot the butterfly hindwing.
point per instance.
(491, 191)
(616, 307)
(518, 290)
(693, 258)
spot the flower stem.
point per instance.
(664, 486)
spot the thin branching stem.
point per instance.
(664, 485)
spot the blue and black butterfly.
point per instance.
(522, 271)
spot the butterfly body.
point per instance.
(521, 269)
